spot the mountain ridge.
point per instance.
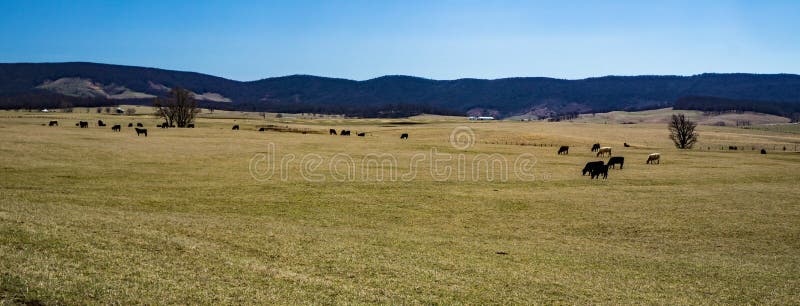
(21, 85)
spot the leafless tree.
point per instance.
(179, 109)
(681, 131)
(130, 111)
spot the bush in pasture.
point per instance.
(681, 131)
(180, 109)
(130, 111)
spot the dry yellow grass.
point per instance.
(89, 216)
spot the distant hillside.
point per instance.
(89, 84)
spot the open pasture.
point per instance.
(92, 216)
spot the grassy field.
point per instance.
(89, 216)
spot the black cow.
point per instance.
(362, 134)
(53, 123)
(732, 148)
(332, 132)
(139, 125)
(590, 165)
(600, 170)
(626, 145)
(262, 129)
(404, 136)
(345, 133)
(164, 125)
(100, 123)
(595, 147)
(616, 160)
(83, 124)
(763, 151)
(190, 125)
(130, 124)
(141, 131)
(563, 150)
(235, 127)
(116, 128)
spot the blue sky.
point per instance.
(360, 40)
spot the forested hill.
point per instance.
(89, 84)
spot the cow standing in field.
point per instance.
(53, 123)
(345, 133)
(116, 128)
(362, 134)
(83, 124)
(599, 170)
(763, 151)
(164, 125)
(595, 147)
(604, 151)
(626, 145)
(130, 124)
(141, 131)
(589, 166)
(235, 127)
(563, 150)
(332, 132)
(404, 136)
(100, 123)
(616, 160)
(654, 158)
(263, 129)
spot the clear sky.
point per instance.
(433, 39)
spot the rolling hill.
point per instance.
(33, 85)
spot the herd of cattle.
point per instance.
(596, 169)
(142, 131)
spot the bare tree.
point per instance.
(130, 111)
(179, 109)
(681, 131)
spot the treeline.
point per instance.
(351, 110)
(789, 110)
(40, 99)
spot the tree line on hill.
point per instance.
(398, 96)
(716, 104)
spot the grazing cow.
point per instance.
(53, 123)
(590, 165)
(116, 128)
(732, 148)
(654, 158)
(130, 124)
(626, 145)
(595, 147)
(599, 170)
(141, 131)
(235, 127)
(139, 125)
(83, 124)
(563, 150)
(190, 125)
(332, 132)
(262, 129)
(763, 151)
(604, 151)
(404, 136)
(362, 134)
(616, 160)
(100, 123)
(345, 133)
